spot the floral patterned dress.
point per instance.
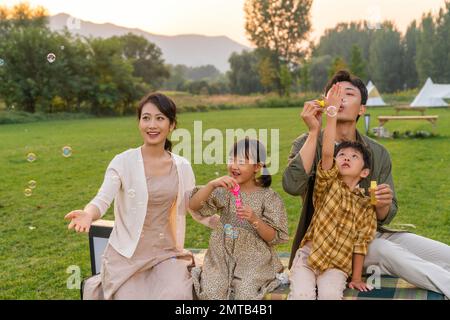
(239, 264)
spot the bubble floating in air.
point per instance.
(332, 111)
(2, 62)
(28, 192)
(32, 184)
(31, 157)
(51, 57)
(66, 151)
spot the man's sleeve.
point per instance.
(295, 179)
(386, 178)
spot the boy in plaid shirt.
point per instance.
(344, 221)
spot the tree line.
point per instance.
(47, 71)
(379, 53)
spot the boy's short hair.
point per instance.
(346, 76)
(358, 146)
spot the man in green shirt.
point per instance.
(420, 261)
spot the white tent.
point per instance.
(432, 95)
(375, 99)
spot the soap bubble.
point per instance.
(332, 111)
(216, 173)
(31, 157)
(131, 193)
(66, 151)
(161, 236)
(2, 62)
(31, 227)
(32, 184)
(62, 47)
(51, 57)
(28, 192)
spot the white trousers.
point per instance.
(422, 262)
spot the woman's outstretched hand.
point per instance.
(80, 220)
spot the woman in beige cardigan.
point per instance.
(145, 257)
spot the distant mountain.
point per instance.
(191, 50)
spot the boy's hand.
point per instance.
(80, 220)
(246, 213)
(225, 182)
(335, 96)
(360, 285)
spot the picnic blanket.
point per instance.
(392, 288)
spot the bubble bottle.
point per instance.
(373, 188)
(237, 197)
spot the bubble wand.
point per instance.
(237, 196)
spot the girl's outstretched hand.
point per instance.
(80, 220)
(225, 182)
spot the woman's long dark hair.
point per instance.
(254, 151)
(165, 105)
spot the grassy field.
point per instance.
(36, 248)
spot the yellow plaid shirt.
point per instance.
(344, 222)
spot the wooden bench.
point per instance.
(433, 119)
(408, 108)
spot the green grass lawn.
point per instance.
(33, 262)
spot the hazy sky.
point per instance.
(226, 17)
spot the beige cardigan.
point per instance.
(125, 183)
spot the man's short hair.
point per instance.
(344, 75)
(358, 146)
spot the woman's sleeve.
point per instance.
(110, 186)
(274, 214)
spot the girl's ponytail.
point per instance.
(265, 180)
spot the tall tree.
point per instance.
(243, 75)
(281, 27)
(304, 76)
(319, 68)
(386, 57)
(425, 47)
(441, 49)
(357, 63)
(267, 73)
(409, 43)
(28, 79)
(146, 59)
(115, 87)
(337, 65)
(339, 41)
